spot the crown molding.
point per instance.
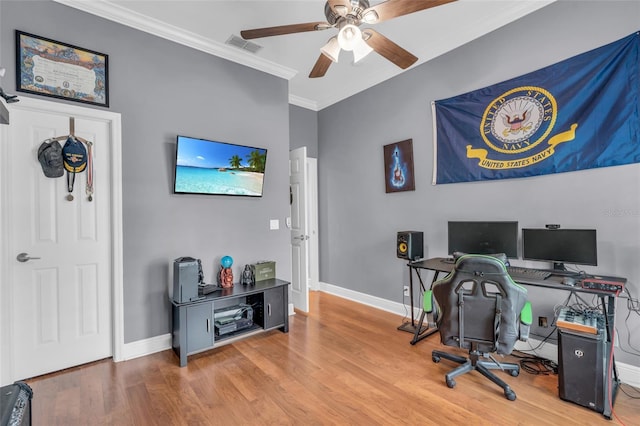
(303, 102)
(121, 15)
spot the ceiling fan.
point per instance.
(347, 16)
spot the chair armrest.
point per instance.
(427, 301)
(526, 318)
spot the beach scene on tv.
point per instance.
(209, 167)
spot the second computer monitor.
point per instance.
(576, 246)
(484, 237)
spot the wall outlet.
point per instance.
(542, 322)
(406, 290)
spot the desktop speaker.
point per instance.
(582, 368)
(186, 277)
(409, 245)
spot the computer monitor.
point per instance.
(488, 237)
(560, 246)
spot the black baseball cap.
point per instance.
(50, 157)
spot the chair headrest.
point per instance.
(480, 263)
(500, 256)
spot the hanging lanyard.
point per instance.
(71, 178)
(89, 188)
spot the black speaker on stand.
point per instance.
(410, 246)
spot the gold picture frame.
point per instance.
(60, 70)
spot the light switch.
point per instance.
(274, 224)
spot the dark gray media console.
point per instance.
(205, 324)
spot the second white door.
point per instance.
(299, 234)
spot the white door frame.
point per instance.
(313, 262)
(6, 260)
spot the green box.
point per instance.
(265, 270)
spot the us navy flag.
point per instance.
(578, 114)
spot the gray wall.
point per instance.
(303, 129)
(163, 89)
(359, 221)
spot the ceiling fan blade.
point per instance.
(321, 67)
(389, 49)
(394, 8)
(284, 29)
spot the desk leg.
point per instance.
(409, 327)
(611, 374)
(424, 331)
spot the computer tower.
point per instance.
(185, 279)
(409, 245)
(582, 368)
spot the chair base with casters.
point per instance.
(473, 362)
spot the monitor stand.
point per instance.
(559, 266)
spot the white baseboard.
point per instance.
(366, 299)
(627, 373)
(543, 350)
(146, 346)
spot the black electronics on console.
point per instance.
(233, 318)
(186, 276)
(204, 289)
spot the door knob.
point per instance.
(24, 257)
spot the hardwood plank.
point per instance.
(343, 363)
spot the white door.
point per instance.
(60, 298)
(299, 234)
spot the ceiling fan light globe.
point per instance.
(360, 51)
(370, 17)
(332, 49)
(349, 36)
(341, 9)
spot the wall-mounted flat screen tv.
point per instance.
(218, 168)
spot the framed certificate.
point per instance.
(51, 68)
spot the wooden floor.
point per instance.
(344, 363)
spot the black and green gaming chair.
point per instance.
(481, 309)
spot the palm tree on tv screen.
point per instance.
(257, 161)
(235, 162)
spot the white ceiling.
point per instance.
(207, 24)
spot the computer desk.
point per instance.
(440, 265)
